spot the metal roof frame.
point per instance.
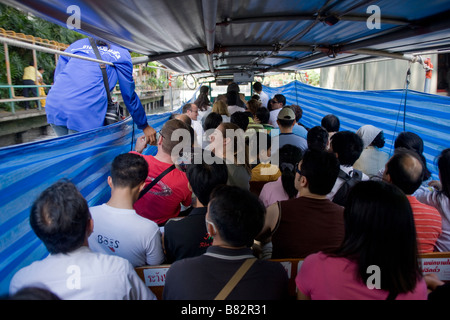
(218, 37)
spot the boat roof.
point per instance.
(223, 37)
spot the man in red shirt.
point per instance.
(405, 170)
(162, 201)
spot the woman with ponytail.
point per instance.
(283, 188)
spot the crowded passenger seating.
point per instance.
(433, 262)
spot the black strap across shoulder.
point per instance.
(102, 68)
(155, 181)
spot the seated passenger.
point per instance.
(278, 102)
(228, 143)
(191, 110)
(162, 202)
(119, 230)
(310, 222)
(284, 187)
(378, 257)
(233, 219)
(212, 121)
(331, 123)
(348, 147)
(412, 141)
(286, 122)
(240, 119)
(260, 146)
(299, 129)
(60, 218)
(188, 237)
(234, 102)
(439, 197)
(405, 170)
(318, 139)
(221, 108)
(202, 102)
(372, 159)
(261, 121)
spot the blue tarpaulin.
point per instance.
(425, 114)
(84, 158)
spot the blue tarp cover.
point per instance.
(84, 158)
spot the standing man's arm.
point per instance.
(124, 69)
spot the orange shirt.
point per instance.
(428, 223)
(429, 72)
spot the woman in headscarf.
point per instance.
(372, 159)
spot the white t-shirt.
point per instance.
(264, 99)
(198, 128)
(234, 108)
(83, 275)
(274, 117)
(124, 233)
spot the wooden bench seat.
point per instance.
(436, 262)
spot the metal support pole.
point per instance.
(48, 50)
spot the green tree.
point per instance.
(21, 22)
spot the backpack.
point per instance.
(341, 195)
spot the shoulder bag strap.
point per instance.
(155, 181)
(223, 294)
(102, 68)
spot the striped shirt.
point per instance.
(428, 223)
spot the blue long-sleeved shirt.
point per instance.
(78, 98)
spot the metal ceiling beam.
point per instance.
(252, 56)
(228, 21)
(245, 48)
(431, 24)
(209, 8)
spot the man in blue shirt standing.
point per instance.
(77, 100)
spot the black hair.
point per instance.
(240, 119)
(232, 98)
(33, 293)
(202, 102)
(403, 173)
(321, 168)
(348, 145)
(298, 111)
(317, 138)
(257, 86)
(129, 170)
(203, 178)
(444, 171)
(212, 121)
(285, 123)
(237, 213)
(289, 156)
(59, 217)
(380, 230)
(378, 141)
(263, 115)
(280, 98)
(102, 43)
(331, 123)
(412, 141)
